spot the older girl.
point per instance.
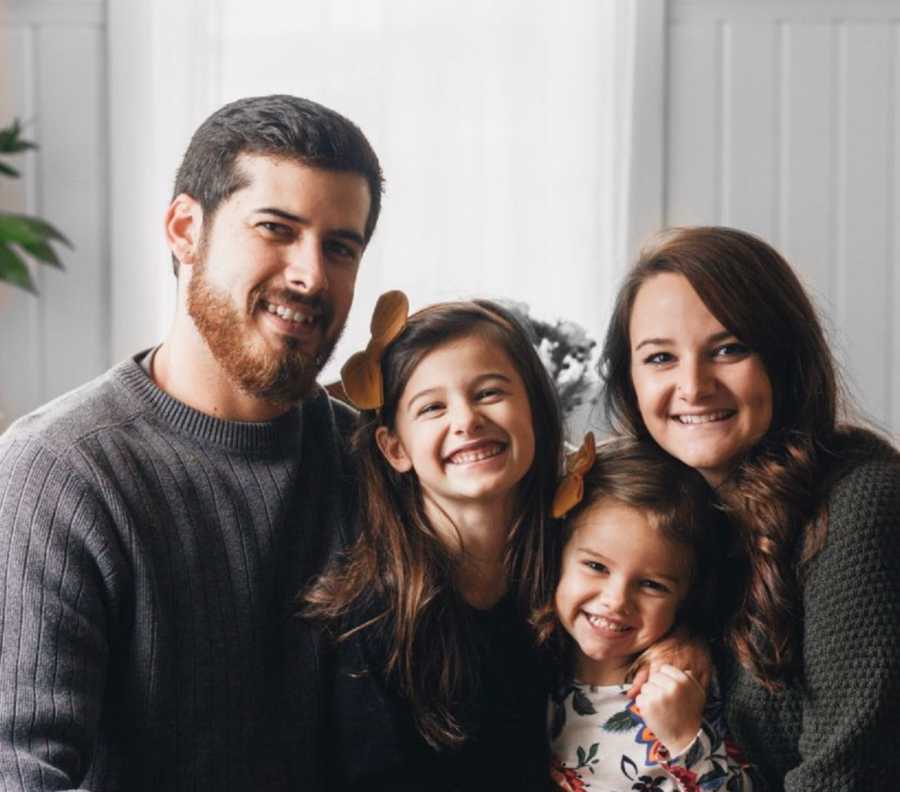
(715, 352)
(437, 684)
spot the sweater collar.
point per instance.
(257, 437)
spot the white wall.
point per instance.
(528, 147)
(53, 77)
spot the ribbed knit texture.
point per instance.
(837, 729)
(148, 557)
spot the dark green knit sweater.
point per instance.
(838, 728)
(148, 557)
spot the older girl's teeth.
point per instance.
(476, 455)
(705, 418)
(606, 624)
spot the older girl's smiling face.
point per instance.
(704, 396)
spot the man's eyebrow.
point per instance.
(713, 339)
(344, 233)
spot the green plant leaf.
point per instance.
(14, 270)
(24, 230)
(42, 251)
(6, 170)
(10, 140)
(44, 228)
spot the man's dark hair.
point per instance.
(282, 126)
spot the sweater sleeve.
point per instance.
(54, 618)
(851, 641)
(712, 761)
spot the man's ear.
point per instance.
(184, 228)
(393, 450)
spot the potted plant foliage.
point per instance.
(23, 234)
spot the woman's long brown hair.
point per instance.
(400, 571)
(777, 494)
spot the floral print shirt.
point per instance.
(600, 743)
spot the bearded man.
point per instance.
(156, 523)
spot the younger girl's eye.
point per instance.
(655, 585)
(595, 566)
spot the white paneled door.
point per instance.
(782, 119)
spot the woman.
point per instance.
(715, 352)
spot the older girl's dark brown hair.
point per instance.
(401, 567)
(775, 493)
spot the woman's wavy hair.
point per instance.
(400, 570)
(678, 503)
(776, 494)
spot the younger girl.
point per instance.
(639, 550)
(436, 683)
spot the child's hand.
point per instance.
(679, 650)
(671, 703)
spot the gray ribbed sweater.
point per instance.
(838, 728)
(148, 556)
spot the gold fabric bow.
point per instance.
(361, 374)
(571, 489)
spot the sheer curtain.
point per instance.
(499, 123)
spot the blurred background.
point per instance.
(529, 146)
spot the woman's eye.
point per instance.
(488, 393)
(595, 566)
(731, 349)
(659, 358)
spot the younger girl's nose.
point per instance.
(615, 597)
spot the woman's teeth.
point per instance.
(720, 415)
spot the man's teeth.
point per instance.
(289, 315)
(606, 624)
(706, 417)
(475, 454)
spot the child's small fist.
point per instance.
(671, 703)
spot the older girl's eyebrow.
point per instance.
(427, 392)
(713, 339)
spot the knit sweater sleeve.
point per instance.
(56, 595)
(851, 642)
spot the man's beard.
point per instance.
(281, 377)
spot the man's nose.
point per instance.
(306, 268)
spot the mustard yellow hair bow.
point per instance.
(361, 374)
(571, 489)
